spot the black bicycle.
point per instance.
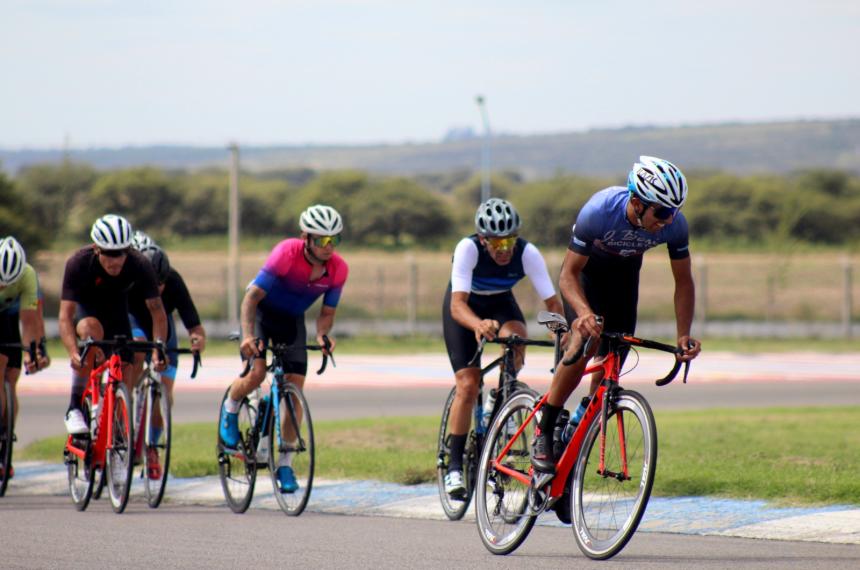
(274, 430)
(7, 418)
(455, 507)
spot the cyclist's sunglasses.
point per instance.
(502, 243)
(113, 252)
(662, 212)
(323, 241)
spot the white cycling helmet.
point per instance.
(12, 260)
(321, 221)
(140, 240)
(112, 232)
(497, 218)
(658, 181)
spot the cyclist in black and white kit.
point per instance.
(479, 303)
(94, 303)
(600, 275)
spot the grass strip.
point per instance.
(789, 456)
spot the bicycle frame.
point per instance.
(104, 427)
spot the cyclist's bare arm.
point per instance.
(252, 298)
(159, 329)
(66, 324)
(571, 289)
(30, 327)
(466, 317)
(325, 321)
(685, 302)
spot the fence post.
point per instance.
(412, 295)
(847, 295)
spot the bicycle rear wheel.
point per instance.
(238, 469)
(295, 416)
(80, 472)
(119, 464)
(156, 444)
(454, 508)
(7, 426)
(607, 507)
(501, 504)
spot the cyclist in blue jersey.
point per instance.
(600, 275)
(479, 303)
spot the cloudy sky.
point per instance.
(107, 73)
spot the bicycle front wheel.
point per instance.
(454, 507)
(80, 471)
(156, 443)
(608, 503)
(501, 504)
(238, 469)
(294, 450)
(120, 454)
(7, 417)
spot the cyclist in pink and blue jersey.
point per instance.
(296, 273)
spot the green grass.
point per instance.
(789, 456)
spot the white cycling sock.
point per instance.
(286, 460)
(231, 406)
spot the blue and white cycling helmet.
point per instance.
(497, 218)
(140, 240)
(12, 260)
(657, 181)
(112, 232)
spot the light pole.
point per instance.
(233, 239)
(485, 151)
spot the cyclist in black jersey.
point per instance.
(600, 276)
(94, 303)
(479, 303)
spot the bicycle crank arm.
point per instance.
(606, 474)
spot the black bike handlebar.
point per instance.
(122, 342)
(630, 340)
(29, 349)
(198, 361)
(281, 348)
(513, 340)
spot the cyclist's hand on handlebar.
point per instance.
(158, 362)
(76, 363)
(198, 342)
(250, 347)
(690, 346)
(322, 343)
(487, 328)
(588, 325)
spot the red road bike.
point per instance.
(603, 478)
(108, 446)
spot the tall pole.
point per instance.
(485, 151)
(233, 239)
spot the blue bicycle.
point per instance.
(275, 430)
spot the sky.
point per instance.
(111, 73)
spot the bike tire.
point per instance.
(6, 436)
(158, 446)
(80, 472)
(119, 463)
(294, 411)
(607, 510)
(501, 501)
(454, 508)
(238, 470)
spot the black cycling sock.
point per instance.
(549, 414)
(456, 447)
(79, 386)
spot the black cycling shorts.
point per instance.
(459, 340)
(10, 333)
(285, 329)
(114, 324)
(612, 290)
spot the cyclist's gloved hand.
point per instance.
(487, 328)
(250, 347)
(198, 342)
(690, 346)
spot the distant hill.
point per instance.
(740, 148)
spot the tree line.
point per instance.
(47, 203)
